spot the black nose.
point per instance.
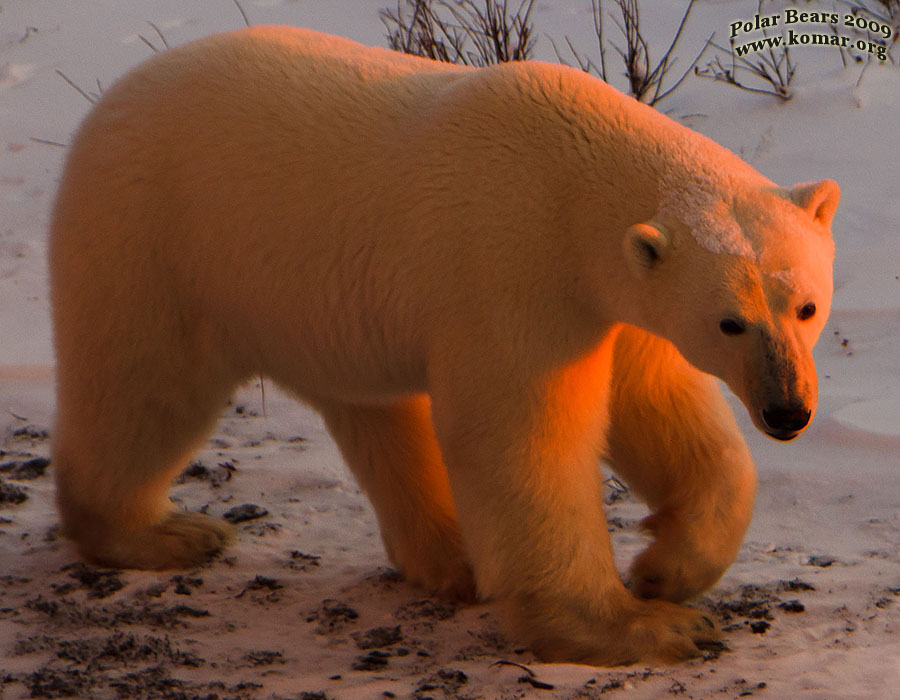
(784, 419)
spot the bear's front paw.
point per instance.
(634, 632)
(681, 563)
(660, 574)
(179, 541)
(660, 631)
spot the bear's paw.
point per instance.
(638, 632)
(180, 540)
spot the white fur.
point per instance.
(477, 276)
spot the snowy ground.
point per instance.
(304, 602)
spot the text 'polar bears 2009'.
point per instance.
(811, 29)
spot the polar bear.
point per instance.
(482, 278)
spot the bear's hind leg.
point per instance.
(122, 434)
(673, 439)
(394, 455)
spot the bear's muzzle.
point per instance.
(785, 422)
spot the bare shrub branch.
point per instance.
(891, 8)
(71, 83)
(587, 64)
(243, 14)
(644, 82)
(772, 71)
(891, 18)
(159, 33)
(479, 33)
(461, 31)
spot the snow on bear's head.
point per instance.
(738, 276)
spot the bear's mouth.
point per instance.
(783, 435)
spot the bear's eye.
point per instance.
(807, 311)
(730, 326)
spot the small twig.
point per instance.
(241, 10)
(160, 34)
(690, 68)
(684, 18)
(585, 64)
(48, 142)
(535, 683)
(28, 32)
(262, 391)
(862, 73)
(834, 31)
(597, 14)
(664, 62)
(893, 8)
(75, 87)
(148, 43)
(504, 662)
(645, 80)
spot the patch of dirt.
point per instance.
(378, 637)
(425, 609)
(821, 561)
(55, 683)
(99, 583)
(216, 476)
(758, 606)
(186, 585)
(375, 660)
(11, 495)
(795, 585)
(301, 561)
(25, 470)
(66, 611)
(332, 616)
(78, 667)
(245, 512)
(264, 657)
(446, 681)
(263, 583)
(30, 432)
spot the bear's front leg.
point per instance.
(674, 440)
(521, 455)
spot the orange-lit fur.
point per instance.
(674, 440)
(444, 262)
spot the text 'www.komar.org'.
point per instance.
(878, 34)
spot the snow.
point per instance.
(879, 417)
(834, 494)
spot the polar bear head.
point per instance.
(739, 279)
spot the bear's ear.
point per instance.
(645, 246)
(819, 199)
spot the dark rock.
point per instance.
(244, 512)
(378, 637)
